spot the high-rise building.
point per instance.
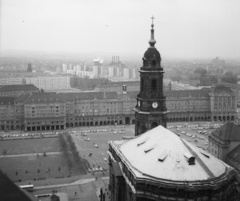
(150, 110)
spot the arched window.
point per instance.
(154, 85)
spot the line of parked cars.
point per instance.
(29, 135)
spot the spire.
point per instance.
(152, 40)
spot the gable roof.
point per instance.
(7, 100)
(222, 89)
(235, 154)
(44, 98)
(23, 87)
(11, 192)
(228, 131)
(22, 98)
(89, 95)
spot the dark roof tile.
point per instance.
(25, 87)
(7, 100)
(228, 131)
(44, 98)
(188, 93)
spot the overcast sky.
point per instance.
(183, 28)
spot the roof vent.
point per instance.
(141, 143)
(190, 158)
(147, 150)
(206, 155)
(162, 156)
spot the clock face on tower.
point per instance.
(154, 104)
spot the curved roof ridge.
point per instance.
(166, 156)
(211, 175)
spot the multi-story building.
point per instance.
(126, 73)
(223, 103)
(7, 114)
(116, 107)
(99, 108)
(17, 90)
(235, 88)
(188, 105)
(44, 111)
(49, 83)
(224, 140)
(159, 165)
(11, 81)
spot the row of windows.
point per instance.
(40, 123)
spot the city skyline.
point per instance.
(183, 29)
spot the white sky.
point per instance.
(183, 28)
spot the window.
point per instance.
(154, 85)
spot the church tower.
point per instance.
(150, 110)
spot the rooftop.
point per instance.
(44, 98)
(228, 131)
(11, 192)
(24, 87)
(187, 93)
(89, 95)
(221, 89)
(6, 100)
(161, 154)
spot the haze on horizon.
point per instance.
(183, 28)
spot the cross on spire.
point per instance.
(152, 40)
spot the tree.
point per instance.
(229, 77)
(201, 71)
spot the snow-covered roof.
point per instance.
(161, 154)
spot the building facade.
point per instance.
(7, 115)
(150, 110)
(49, 83)
(223, 103)
(117, 107)
(11, 81)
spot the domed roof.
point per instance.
(161, 154)
(152, 53)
